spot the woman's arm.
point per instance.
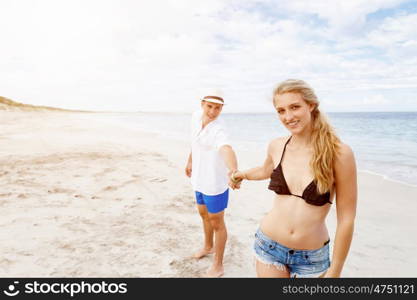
(346, 198)
(260, 172)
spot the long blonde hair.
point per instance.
(324, 139)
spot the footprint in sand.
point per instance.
(105, 171)
(24, 253)
(66, 247)
(186, 207)
(155, 154)
(184, 200)
(6, 263)
(109, 188)
(186, 267)
(158, 180)
(59, 191)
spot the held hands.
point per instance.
(235, 179)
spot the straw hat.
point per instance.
(214, 96)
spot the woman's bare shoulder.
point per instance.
(278, 143)
(345, 151)
(345, 156)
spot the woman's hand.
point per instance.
(234, 181)
(238, 176)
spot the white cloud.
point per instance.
(397, 35)
(377, 99)
(342, 15)
(159, 55)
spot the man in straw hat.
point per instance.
(211, 160)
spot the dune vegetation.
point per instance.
(10, 105)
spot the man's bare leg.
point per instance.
(208, 233)
(220, 237)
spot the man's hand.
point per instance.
(234, 186)
(188, 169)
(234, 182)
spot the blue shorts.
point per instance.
(214, 203)
(299, 263)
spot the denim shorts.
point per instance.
(214, 203)
(299, 263)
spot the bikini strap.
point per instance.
(283, 150)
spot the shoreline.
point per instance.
(82, 198)
(387, 178)
(244, 146)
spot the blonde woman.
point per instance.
(309, 171)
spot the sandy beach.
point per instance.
(80, 197)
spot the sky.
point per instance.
(164, 55)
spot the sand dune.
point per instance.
(10, 105)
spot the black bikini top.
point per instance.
(310, 195)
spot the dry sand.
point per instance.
(83, 198)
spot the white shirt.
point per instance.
(209, 172)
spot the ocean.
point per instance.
(384, 143)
